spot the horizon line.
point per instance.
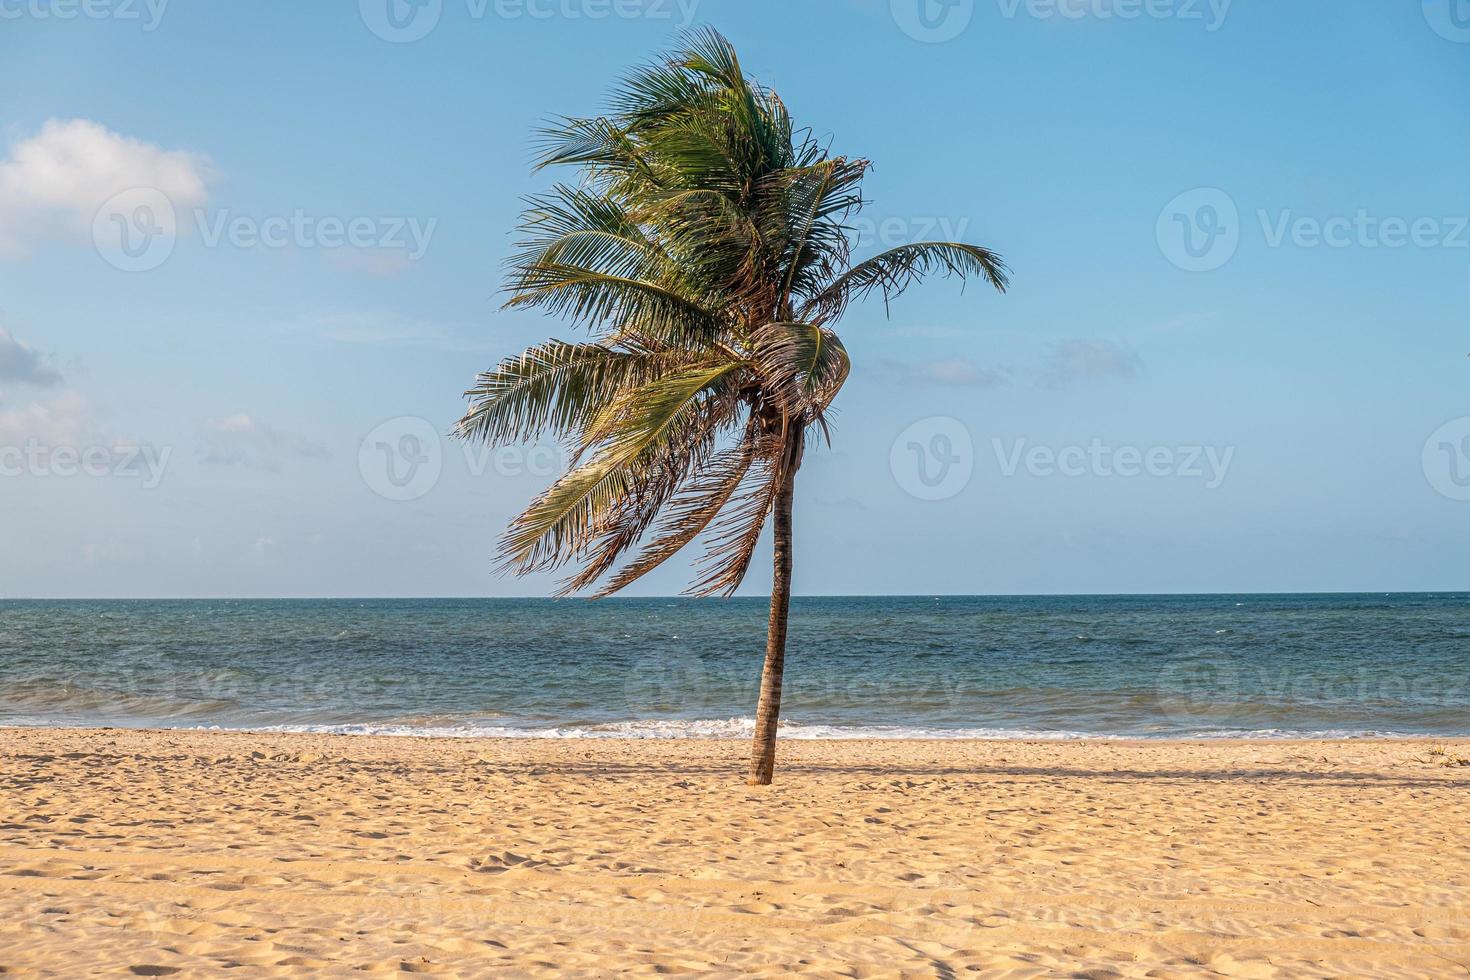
(757, 596)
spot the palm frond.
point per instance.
(899, 268)
(734, 538)
(555, 386)
(803, 366)
(692, 509)
(598, 145)
(814, 201)
(611, 303)
(558, 524)
(661, 471)
(567, 224)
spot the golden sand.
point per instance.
(201, 854)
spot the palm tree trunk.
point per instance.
(768, 710)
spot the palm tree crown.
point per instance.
(706, 247)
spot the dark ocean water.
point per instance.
(1149, 666)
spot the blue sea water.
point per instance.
(877, 667)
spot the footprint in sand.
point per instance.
(417, 966)
(500, 863)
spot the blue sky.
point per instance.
(1277, 403)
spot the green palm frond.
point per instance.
(899, 268)
(559, 523)
(571, 226)
(611, 304)
(599, 146)
(715, 238)
(555, 386)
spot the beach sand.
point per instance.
(196, 854)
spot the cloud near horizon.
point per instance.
(69, 419)
(954, 372)
(1065, 362)
(49, 418)
(241, 440)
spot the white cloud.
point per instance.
(953, 372)
(380, 263)
(1070, 361)
(62, 175)
(69, 421)
(1063, 364)
(381, 329)
(66, 420)
(241, 440)
(20, 363)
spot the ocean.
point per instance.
(1278, 666)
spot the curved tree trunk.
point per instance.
(768, 710)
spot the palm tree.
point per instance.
(706, 248)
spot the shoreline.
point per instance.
(197, 852)
(1286, 737)
(735, 745)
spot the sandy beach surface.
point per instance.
(201, 854)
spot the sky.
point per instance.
(251, 253)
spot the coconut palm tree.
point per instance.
(707, 248)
